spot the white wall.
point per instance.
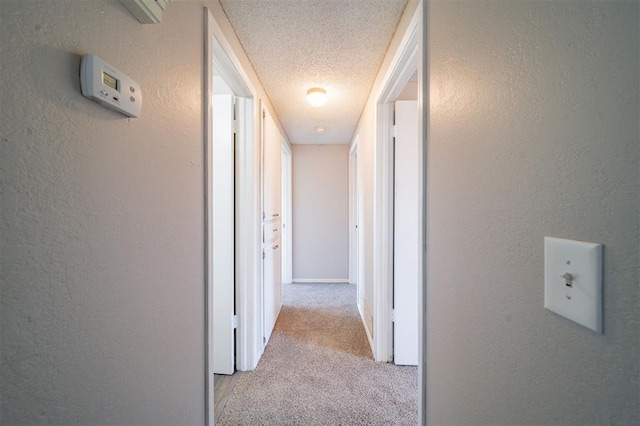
(321, 212)
(533, 132)
(102, 248)
(102, 219)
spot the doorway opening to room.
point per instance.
(398, 225)
(232, 227)
(381, 249)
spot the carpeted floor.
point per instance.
(318, 369)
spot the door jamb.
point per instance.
(353, 215)
(423, 132)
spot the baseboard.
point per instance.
(361, 310)
(322, 280)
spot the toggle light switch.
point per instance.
(573, 281)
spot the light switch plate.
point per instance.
(577, 296)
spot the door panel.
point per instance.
(406, 243)
(272, 287)
(223, 234)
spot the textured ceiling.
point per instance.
(298, 44)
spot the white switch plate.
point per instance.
(582, 301)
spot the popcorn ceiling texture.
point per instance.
(334, 44)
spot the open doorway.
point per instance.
(228, 191)
(399, 74)
(403, 74)
(232, 210)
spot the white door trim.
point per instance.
(208, 228)
(248, 220)
(412, 53)
(404, 64)
(423, 134)
(287, 206)
(353, 215)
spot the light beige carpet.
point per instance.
(318, 369)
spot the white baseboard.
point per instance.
(322, 280)
(361, 310)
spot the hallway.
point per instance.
(529, 129)
(318, 368)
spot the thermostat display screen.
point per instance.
(110, 80)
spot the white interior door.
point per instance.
(223, 247)
(272, 293)
(406, 242)
(272, 193)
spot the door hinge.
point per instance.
(263, 255)
(263, 114)
(392, 131)
(235, 321)
(393, 315)
(235, 126)
(264, 340)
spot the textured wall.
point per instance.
(321, 212)
(102, 219)
(534, 132)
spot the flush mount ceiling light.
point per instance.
(316, 96)
(320, 129)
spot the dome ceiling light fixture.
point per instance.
(320, 129)
(316, 96)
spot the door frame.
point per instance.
(353, 216)
(404, 63)
(286, 240)
(411, 55)
(413, 43)
(248, 221)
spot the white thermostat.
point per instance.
(109, 86)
